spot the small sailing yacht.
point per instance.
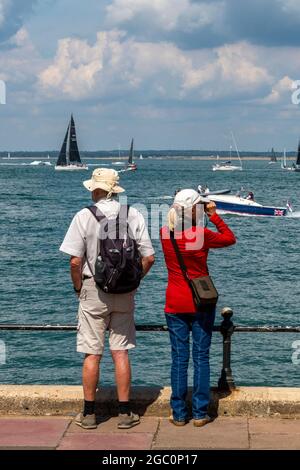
(295, 166)
(273, 158)
(69, 156)
(131, 166)
(227, 166)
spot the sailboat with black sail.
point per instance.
(131, 166)
(273, 158)
(69, 156)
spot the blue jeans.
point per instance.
(201, 325)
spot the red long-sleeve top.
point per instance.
(194, 244)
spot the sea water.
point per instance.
(258, 277)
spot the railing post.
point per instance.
(226, 381)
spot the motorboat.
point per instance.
(247, 206)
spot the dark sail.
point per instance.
(273, 156)
(62, 158)
(73, 151)
(131, 154)
(298, 155)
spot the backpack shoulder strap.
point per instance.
(123, 217)
(99, 216)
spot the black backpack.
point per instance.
(118, 267)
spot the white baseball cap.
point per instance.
(187, 198)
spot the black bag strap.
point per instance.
(99, 216)
(180, 258)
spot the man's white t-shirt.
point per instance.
(83, 234)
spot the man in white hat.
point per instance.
(98, 310)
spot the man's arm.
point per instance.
(147, 262)
(76, 272)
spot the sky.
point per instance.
(173, 74)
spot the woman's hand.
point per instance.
(210, 208)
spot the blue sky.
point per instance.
(171, 73)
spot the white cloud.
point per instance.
(168, 15)
(116, 64)
(4, 6)
(281, 90)
(291, 6)
(20, 63)
(12, 15)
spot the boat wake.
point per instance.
(160, 197)
(294, 215)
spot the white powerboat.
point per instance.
(230, 204)
(40, 163)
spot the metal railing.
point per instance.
(227, 328)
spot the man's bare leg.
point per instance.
(122, 374)
(90, 376)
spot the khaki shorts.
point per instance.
(98, 312)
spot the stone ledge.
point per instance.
(63, 400)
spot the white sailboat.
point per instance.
(69, 157)
(227, 166)
(295, 166)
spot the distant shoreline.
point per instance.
(184, 157)
(84, 156)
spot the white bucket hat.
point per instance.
(187, 198)
(106, 179)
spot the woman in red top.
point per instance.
(194, 242)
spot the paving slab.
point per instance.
(274, 426)
(223, 433)
(109, 441)
(32, 433)
(110, 425)
(275, 441)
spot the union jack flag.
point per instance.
(278, 212)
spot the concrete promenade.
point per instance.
(154, 433)
(42, 417)
(64, 400)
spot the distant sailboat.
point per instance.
(131, 166)
(8, 156)
(227, 166)
(295, 166)
(69, 156)
(273, 158)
